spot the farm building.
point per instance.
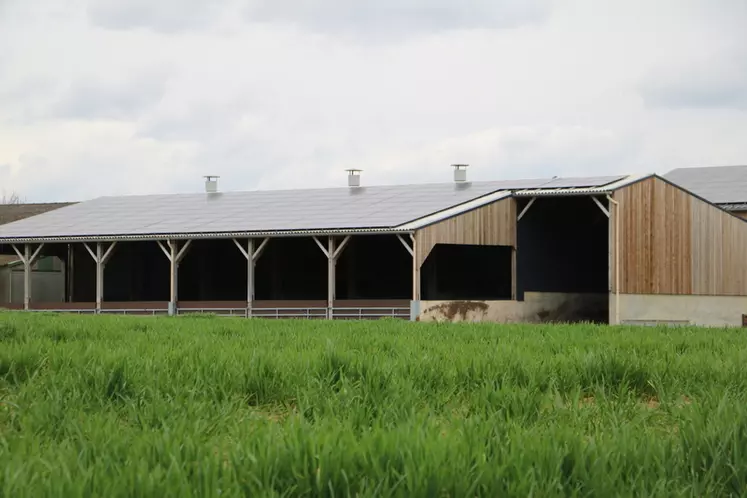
(619, 249)
(47, 273)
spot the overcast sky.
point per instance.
(107, 97)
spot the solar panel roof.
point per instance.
(376, 207)
(717, 184)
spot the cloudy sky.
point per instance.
(106, 97)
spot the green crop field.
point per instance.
(200, 406)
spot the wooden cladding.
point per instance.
(494, 224)
(719, 252)
(673, 243)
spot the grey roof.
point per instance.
(376, 208)
(717, 184)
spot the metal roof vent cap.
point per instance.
(460, 172)
(211, 184)
(354, 177)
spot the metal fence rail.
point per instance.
(307, 313)
(369, 312)
(236, 312)
(347, 313)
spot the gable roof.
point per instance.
(717, 184)
(256, 213)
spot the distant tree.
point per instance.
(12, 198)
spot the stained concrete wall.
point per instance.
(537, 307)
(647, 309)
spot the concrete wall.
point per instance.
(648, 309)
(46, 286)
(537, 307)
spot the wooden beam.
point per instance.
(258, 252)
(183, 251)
(36, 254)
(21, 255)
(164, 250)
(90, 251)
(108, 253)
(341, 247)
(526, 208)
(321, 246)
(407, 246)
(241, 248)
(601, 206)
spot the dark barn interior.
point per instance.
(460, 271)
(289, 268)
(374, 267)
(563, 246)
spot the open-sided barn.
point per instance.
(624, 249)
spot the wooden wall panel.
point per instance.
(673, 243)
(494, 224)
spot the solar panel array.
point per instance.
(720, 184)
(375, 207)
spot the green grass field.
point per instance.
(115, 406)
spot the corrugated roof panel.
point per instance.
(717, 184)
(586, 182)
(376, 207)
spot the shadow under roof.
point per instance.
(375, 208)
(717, 184)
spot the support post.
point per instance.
(330, 276)
(100, 257)
(617, 257)
(513, 274)
(175, 257)
(415, 302)
(70, 271)
(26, 277)
(174, 274)
(252, 255)
(28, 258)
(415, 271)
(249, 276)
(333, 254)
(99, 276)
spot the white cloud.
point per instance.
(397, 17)
(100, 97)
(717, 81)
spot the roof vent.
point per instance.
(460, 172)
(211, 184)
(354, 177)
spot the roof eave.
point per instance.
(202, 235)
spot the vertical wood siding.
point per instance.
(494, 224)
(673, 243)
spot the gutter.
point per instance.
(202, 235)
